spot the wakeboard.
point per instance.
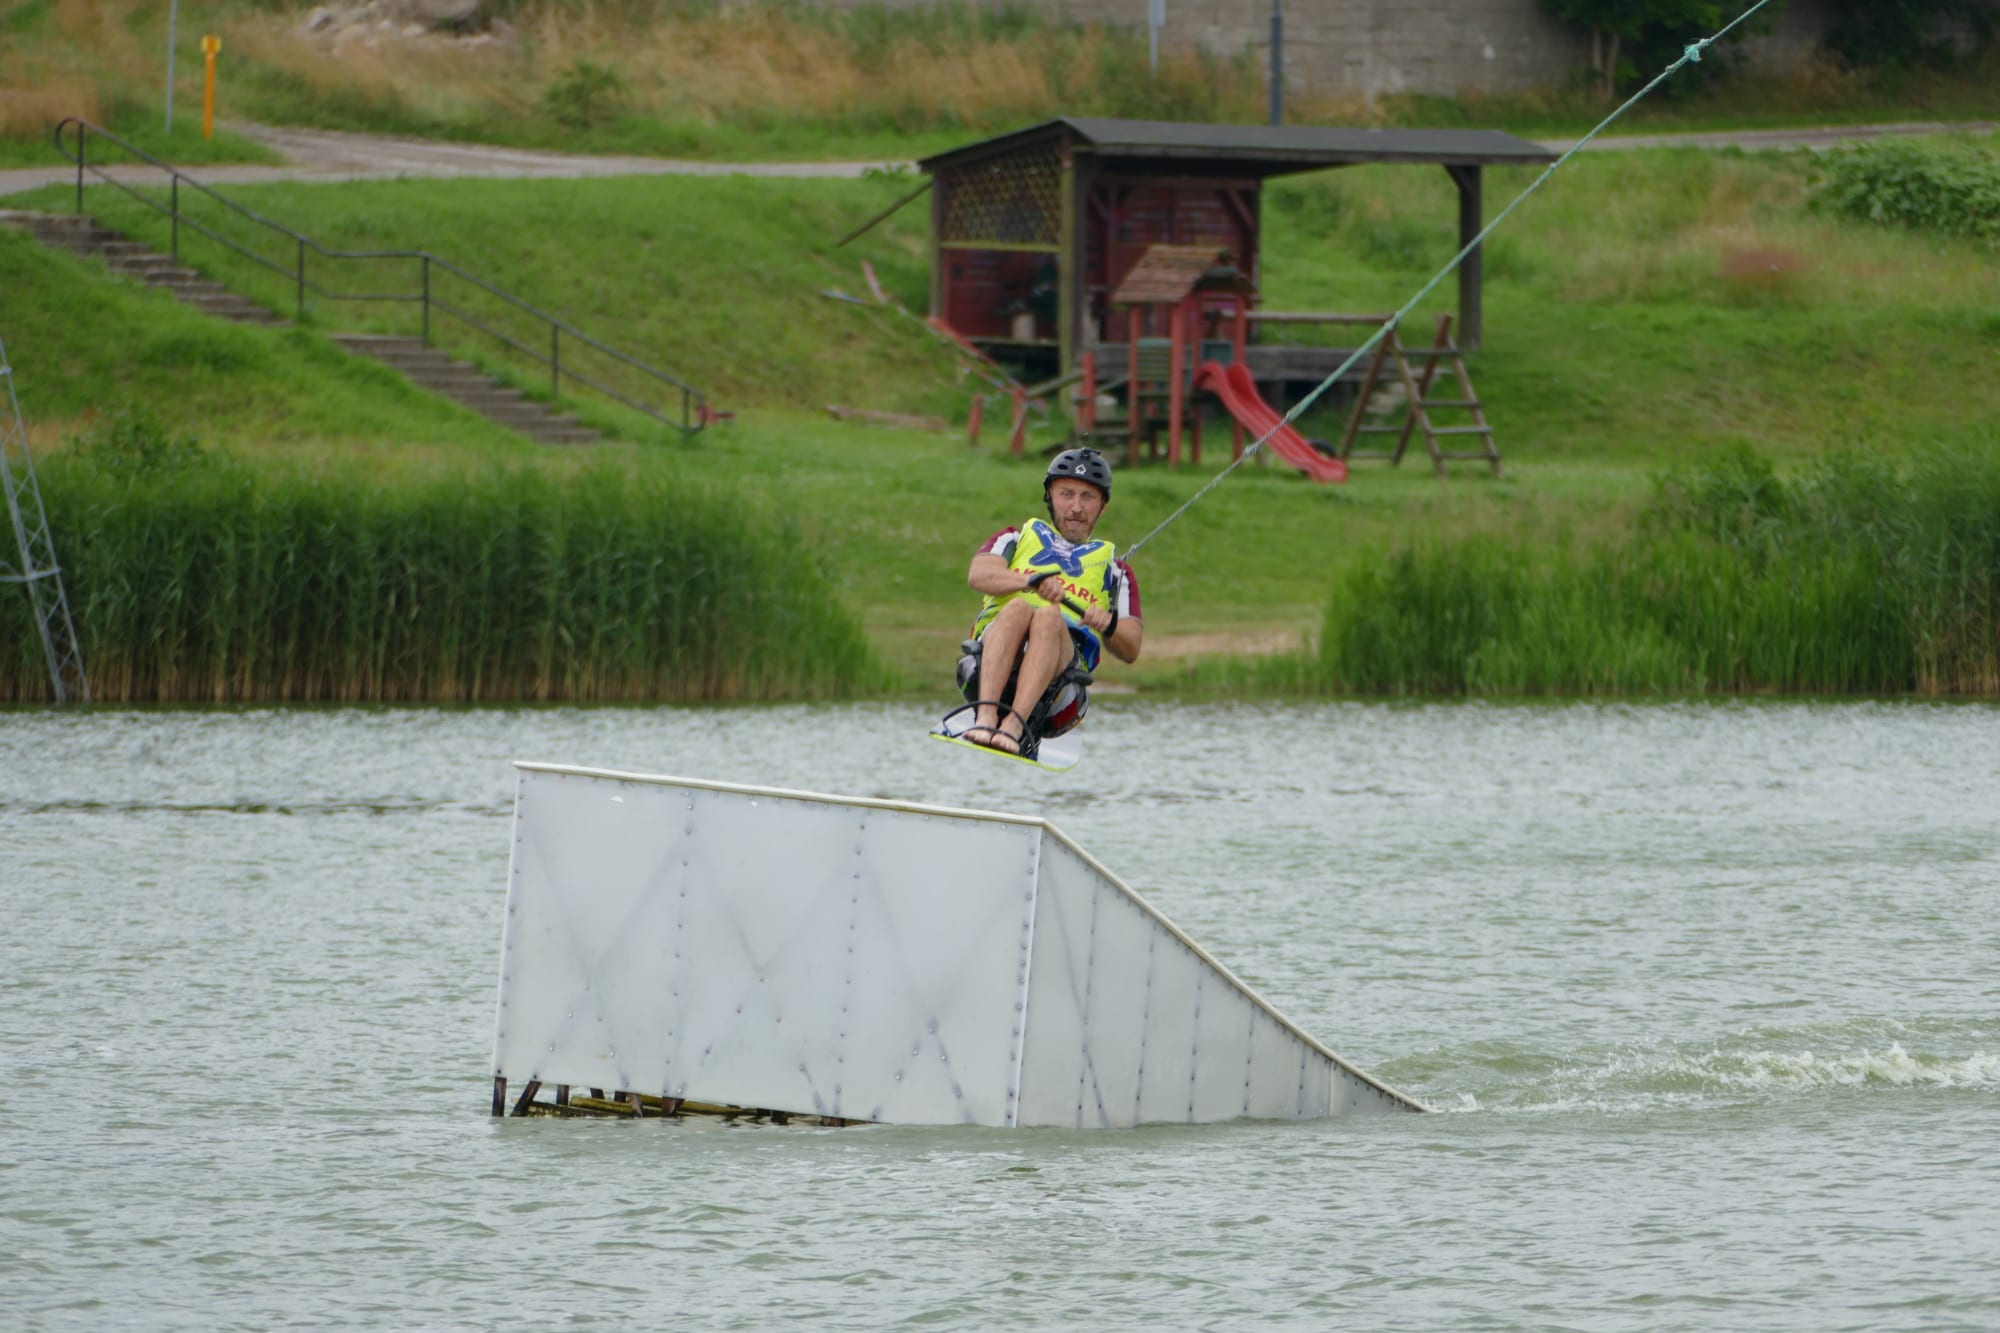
(1056, 753)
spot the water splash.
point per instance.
(1756, 1066)
(1890, 1066)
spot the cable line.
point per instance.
(1691, 54)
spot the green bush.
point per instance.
(194, 576)
(585, 94)
(1948, 186)
(1858, 576)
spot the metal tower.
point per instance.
(38, 568)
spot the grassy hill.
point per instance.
(1648, 310)
(1651, 300)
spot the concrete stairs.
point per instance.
(134, 259)
(464, 383)
(427, 367)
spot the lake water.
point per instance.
(1708, 995)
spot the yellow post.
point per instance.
(210, 46)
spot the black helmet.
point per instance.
(1083, 464)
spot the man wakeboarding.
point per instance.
(1056, 596)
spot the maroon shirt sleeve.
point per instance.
(1001, 543)
(1128, 601)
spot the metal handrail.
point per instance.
(693, 402)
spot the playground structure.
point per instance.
(1204, 305)
(1206, 309)
(1421, 405)
(673, 946)
(1037, 235)
(1201, 302)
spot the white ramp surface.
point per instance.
(868, 960)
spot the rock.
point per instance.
(454, 15)
(319, 20)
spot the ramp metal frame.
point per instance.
(688, 946)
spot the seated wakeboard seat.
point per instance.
(1060, 708)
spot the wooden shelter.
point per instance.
(1034, 232)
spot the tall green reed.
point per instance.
(1855, 576)
(195, 577)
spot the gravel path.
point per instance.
(334, 155)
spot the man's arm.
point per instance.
(1131, 632)
(1124, 644)
(991, 575)
(1126, 636)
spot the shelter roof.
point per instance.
(1166, 273)
(1257, 150)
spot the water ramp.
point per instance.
(672, 943)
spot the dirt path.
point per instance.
(334, 155)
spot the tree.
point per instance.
(1621, 31)
(1905, 32)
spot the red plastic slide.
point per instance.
(1238, 392)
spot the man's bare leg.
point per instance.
(999, 647)
(1047, 652)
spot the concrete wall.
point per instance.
(1796, 32)
(1361, 48)
(1368, 48)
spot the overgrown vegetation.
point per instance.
(194, 576)
(1900, 35)
(1880, 44)
(1947, 186)
(1632, 40)
(770, 79)
(102, 60)
(1858, 575)
(586, 94)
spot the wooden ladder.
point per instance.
(1417, 389)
